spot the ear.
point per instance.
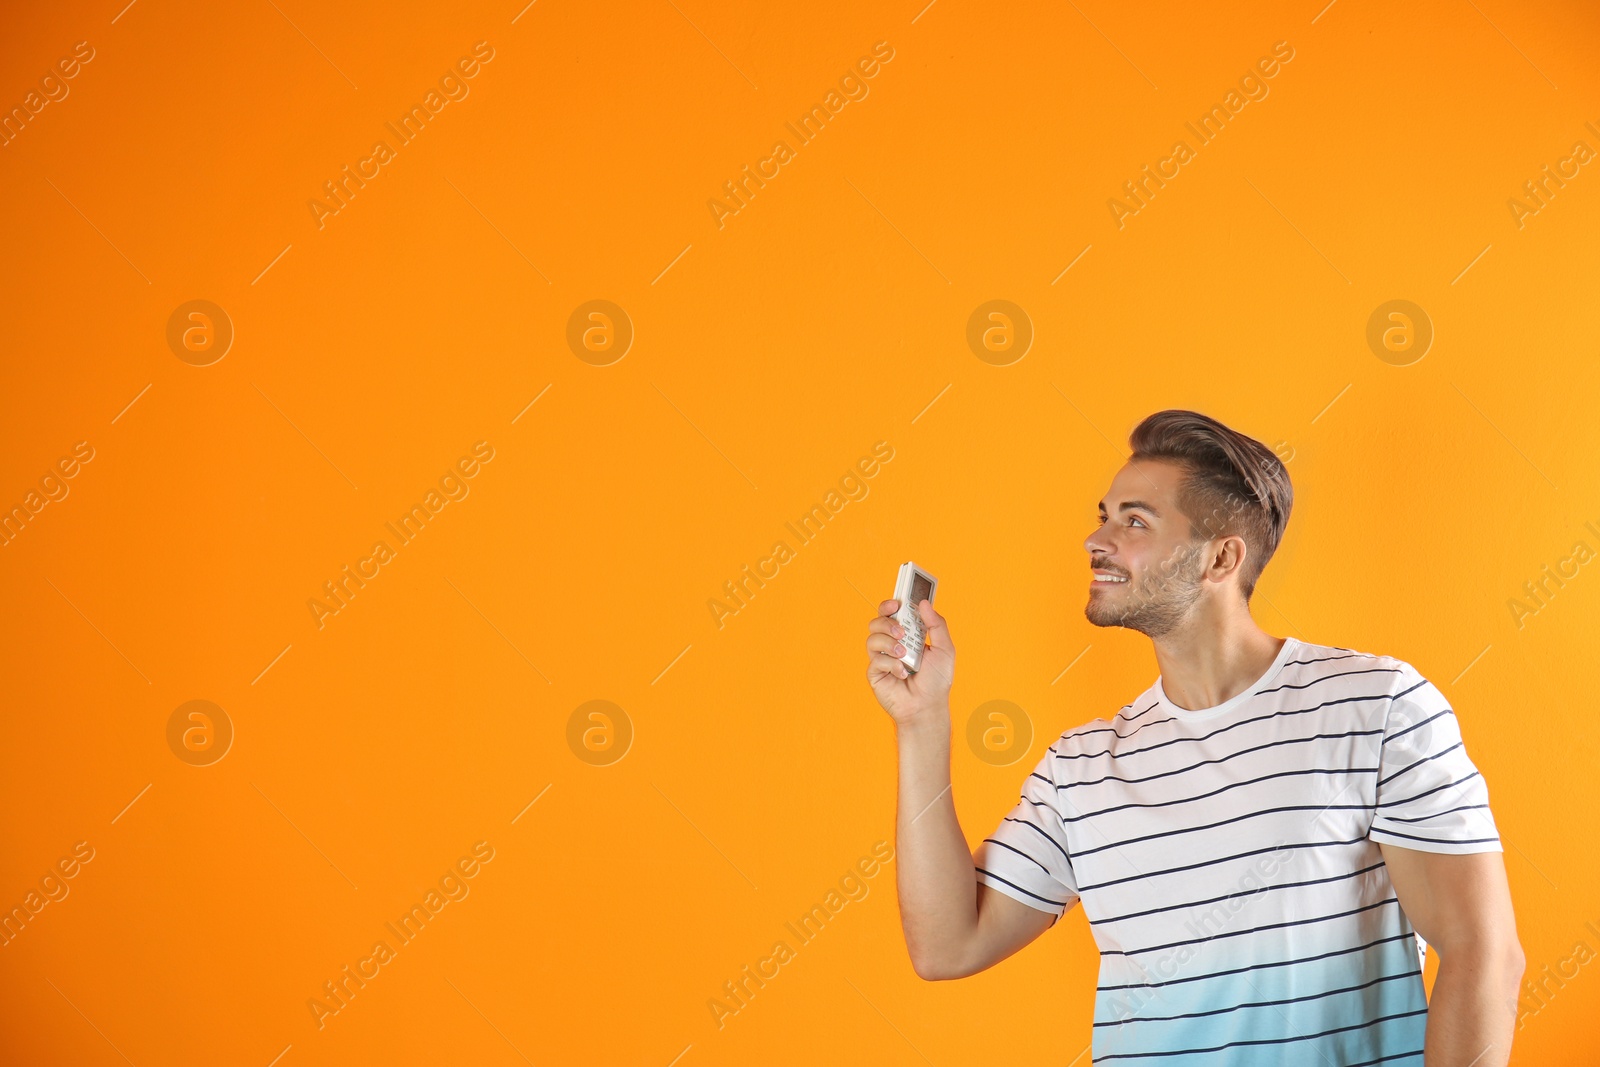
(1229, 556)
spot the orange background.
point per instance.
(770, 355)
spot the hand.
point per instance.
(905, 696)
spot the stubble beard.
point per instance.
(1156, 604)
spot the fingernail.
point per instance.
(899, 650)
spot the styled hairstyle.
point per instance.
(1232, 484)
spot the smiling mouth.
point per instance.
(1108, 579)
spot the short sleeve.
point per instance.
(1430, 796)
(1027, 858)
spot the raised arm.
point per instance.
(954, 926)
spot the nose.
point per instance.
(1096, 543)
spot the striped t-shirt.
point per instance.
(1228, 862)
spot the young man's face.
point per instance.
(1143, 539)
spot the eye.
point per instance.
(1138, 520)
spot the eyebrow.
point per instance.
(1129, 505)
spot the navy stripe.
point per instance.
(1130, 718)
(1325, 659)
(1435, 815)
(1214, 792)
(1222, 759)
(1018, 851)
(1424, 722)
(1230, 896)
(1224, 729)
(1326, 677)
(1260, 966)
(1427, 793)
(1442, 752)
(1040, 831)
(1252, 930)
(1113, 729)
(1082, 730)
(1225, 822)
(1223, 859)
(1265, 1040)
(1018, 888)
(1437, 840)
(1257, 1003)
(1205, 737)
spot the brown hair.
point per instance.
(1232, 484)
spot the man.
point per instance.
(1265, 841)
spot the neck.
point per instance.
(1213, 657)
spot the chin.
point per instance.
(1102, 619)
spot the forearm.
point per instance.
(934, 873)
(1473, 1012)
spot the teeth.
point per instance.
(1108, 578)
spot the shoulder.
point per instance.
(1384, 694)
(1373, 672)
(1101, 735)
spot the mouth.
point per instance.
(1104, 578)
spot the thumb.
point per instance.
(938, 633)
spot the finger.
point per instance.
(883, 624)
(883, 663)
(888, 607)
(885, 643)
(938, 633)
